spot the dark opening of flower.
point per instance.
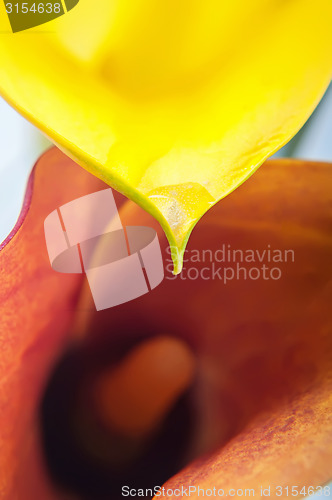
(117, 414)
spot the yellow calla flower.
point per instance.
(172, 103)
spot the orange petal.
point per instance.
(274, 361)
(264, 346)
(36, 308)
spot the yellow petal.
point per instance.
(172, 103)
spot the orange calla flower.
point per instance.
(257, 378)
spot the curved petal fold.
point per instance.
(37, 306)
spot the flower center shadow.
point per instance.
(94, 449)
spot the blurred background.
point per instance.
(21, 144)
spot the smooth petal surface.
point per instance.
(36, 309)
(264, 382)
(173, 104)
(267, 344)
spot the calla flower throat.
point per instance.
(173, 103)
